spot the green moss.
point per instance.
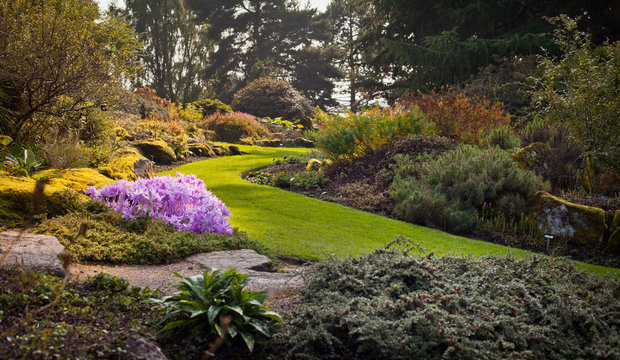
(122, 164)
(122, 134)
(16, 193)
(528, 157)
(585, 224)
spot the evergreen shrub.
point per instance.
(390, 306)
(450, 191)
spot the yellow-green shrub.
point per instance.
(356, 134)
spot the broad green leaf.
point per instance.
(213, 312)
(5, 140)
(232, 330)
(236, 309)
(248, 338)
(260, 326)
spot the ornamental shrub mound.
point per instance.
(451, 191)
(269, 97)
(390, 306)
(181, 201)
(233, 127)
(458, 116)
(358, 134)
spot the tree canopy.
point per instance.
(56, 58)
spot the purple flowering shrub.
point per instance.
(181, 201)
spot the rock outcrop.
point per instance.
(127, 163)
(559, 217)
(35, 252)
(157, 151)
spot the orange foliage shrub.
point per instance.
(457, 116)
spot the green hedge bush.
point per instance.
(390, 306)
(211, 106)
(449, 192)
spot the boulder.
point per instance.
(139, 348)
(127, 163)
(559, 217)
(234, 150)
(613, 243)
(240, 259)
(35, 252)
(200, 149)
(303, 142)
(268, 143)
(533, 156)
(157, 151)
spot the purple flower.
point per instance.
(181, 201)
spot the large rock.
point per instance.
(31, 251)
(157, 151)
(200, 149)
(240, 259)
(559, 217)
(613, 243)
(139, 348)
(127, 163)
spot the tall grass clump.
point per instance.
(450, 191)
(357, 134)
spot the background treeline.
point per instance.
(197, 49)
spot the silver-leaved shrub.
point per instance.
(182, 201)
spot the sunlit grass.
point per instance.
(295, 225)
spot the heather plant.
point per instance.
(181, 201)
(234, 126)
(215, 303)
(450, 191)
(357, 134)
(387, 305)
(458, 116)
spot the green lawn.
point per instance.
(292, 224)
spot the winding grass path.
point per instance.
(296, 225)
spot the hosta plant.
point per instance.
(181, 201)
(203, 301)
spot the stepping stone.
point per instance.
(31, 251)
(245, 259)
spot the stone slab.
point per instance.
(31, 251)
(245, 259)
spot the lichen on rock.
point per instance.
(559, 217)
(532, 156)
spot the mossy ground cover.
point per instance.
(295, 225)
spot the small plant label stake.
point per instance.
(548, 237)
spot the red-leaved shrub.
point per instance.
(457, 116)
